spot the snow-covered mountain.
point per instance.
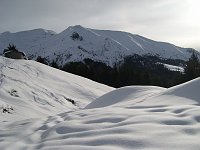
(135, 117)
(77, 43)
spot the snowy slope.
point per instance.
(141, 45)
(34, 89)
(131, 118)
(99, 45)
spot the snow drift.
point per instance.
(123, 95)
(187, 93)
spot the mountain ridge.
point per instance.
(107, 46)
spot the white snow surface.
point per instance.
(122, 95)
(106, 46)
(128, 118)
(35, 90)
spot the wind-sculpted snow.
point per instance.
(123, 95)
(131, 118)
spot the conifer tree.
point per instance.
(11, 47)
(54, 64)
(192, 69)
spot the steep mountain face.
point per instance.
(77, 43)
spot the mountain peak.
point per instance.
(76, 27)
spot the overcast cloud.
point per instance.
(175, 21)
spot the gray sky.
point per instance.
(175, 21)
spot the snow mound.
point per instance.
(185, 93)
(124, 94)
(189, 90)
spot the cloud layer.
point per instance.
(175, 21)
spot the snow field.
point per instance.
(135, 117)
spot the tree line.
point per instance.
(135, 70)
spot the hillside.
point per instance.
(35, 90)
